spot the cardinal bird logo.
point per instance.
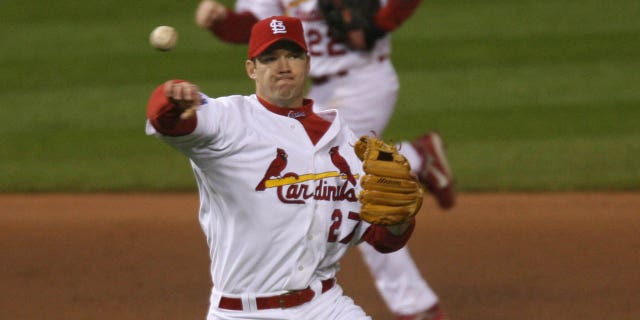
(276, 166)
(341, 164)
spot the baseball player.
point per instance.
(278, 185)
(358, 79)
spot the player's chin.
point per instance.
(289, 92)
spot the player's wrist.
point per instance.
(399, 229)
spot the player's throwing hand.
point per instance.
(185, 95)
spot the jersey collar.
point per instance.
(296, 113)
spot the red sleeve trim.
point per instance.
(394, 13)
(384, 241)
(165, 116)
(236, 28)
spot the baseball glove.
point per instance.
(390, 193)
(351, 22)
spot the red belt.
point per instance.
(324, 79)
(286, 300)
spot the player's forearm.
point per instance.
(235, 28)
(394, 13)
(164, 115)
(385, 241)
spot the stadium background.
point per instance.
(537, 100)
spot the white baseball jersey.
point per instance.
(365, 92)
(328, 57)
(278, 212)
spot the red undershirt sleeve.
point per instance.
(165, 116)
(394, 13)
(236, 28)
(384, 241)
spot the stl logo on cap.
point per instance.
(278, 26)
(273, 29)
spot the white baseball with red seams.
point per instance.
(163, 38)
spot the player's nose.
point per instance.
(283, 63)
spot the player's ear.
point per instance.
(250, 66)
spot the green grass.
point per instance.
(529, 95)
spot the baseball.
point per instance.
(163, 38)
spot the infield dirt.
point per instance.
(494, 256)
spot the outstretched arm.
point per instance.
(171, 107)
(224, 23)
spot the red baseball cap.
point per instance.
(271, 30)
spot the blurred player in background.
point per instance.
(352, 72)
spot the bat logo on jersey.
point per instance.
(275, 168)
(292, 189)
(341, 164)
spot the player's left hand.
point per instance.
(352, 22)
(390, 194)
(185, 95)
